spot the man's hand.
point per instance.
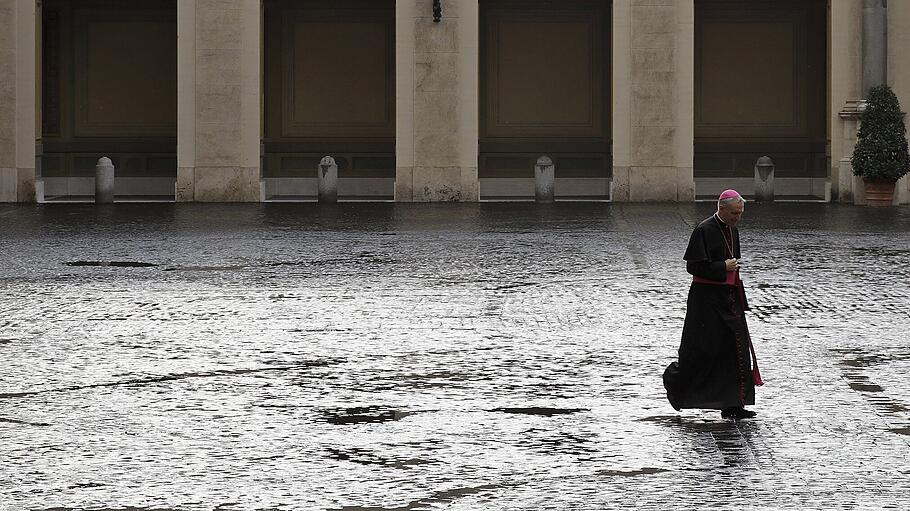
(732, 264)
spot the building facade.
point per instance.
(451, 100)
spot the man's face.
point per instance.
(731, 213)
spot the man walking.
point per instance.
(715, 368)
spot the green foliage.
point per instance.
(881, 144)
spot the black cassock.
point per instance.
(714, 368)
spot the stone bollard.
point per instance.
(328, 180)
(764, 180)
(104, 181)
(544, 178)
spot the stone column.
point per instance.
(875, 44)
(218, 103)
(622, 99)
(685, 101)
(899, 72)
(846, 89)
(653, 104)
(186, 100)
(436, 101)
(17, 100)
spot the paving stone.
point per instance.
(474, 356)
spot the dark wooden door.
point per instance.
(545, 87)
(760, 87)
(330, 90)
(109, 87)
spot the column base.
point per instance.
(660, 184)
(845, 181)
(17, 185)
(8, 184)
(859, 190)
(218, 184)
(902, 190)
(436, 184)
(619, 188)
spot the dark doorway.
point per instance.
(760, 89)
(109, 88)
(330, 91)
(545, 90)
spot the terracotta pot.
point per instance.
(879, 192)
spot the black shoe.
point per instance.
(736, 412)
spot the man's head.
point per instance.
(730, 207)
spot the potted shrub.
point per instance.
(881, 156)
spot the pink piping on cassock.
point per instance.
(732, 279)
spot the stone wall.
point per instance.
(846, 74)
(653, 57)
(846, 31)
(8, 172)
(219, 104)
(17, 101)
(899, 71)
(436, 102)
(437, 73)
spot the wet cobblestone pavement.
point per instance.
(420, 357)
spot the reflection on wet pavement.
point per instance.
(420, 357)
(363, 414)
